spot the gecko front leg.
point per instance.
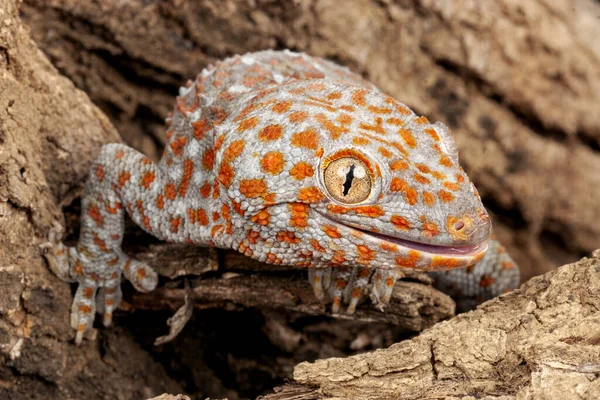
(120, 178)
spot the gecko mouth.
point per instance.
(467, 251)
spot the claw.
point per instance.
(350, 286)
(320, 279)
(383, 287)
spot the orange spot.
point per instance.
(391, 247)
(444, 263)
(234, 150)
(337, 209)
(408, 138)
(360, 141)
(287, 237)
(310, 195)
(423, 168)
(315, 245)
(401, 149)
(272, 163)
(100, 173)
(428, 198)
(237, 207)
(281, 107)
(205, 190)
(188, 169)
(302, 170)
(421, 179)
(178, 145)
(262, 217)
(308, 139)
(147, 179)
(460, 178)
(400, 185)
(379, 110)
(369, 211)
(334, 96)
(358, 97)
(298, 116)
(225, 212)
(377, 127)
(140, 273)
(398, 165)
(365, 254)
(119, 154)
(445, 161)
(175, 225)
(507, 265)
(248, 123)
(299, 215)
(170, 191)
(395, 121)
(94, 213)
(334, 130)
(433, 134)
(253, 188)
(219, 142)
(385, 152)
(451, 186)
(226, 174)
(99, 242)
(445, 196)
(271, 132)
(400, 222)
(85, 308)
(430, 230)
(200, 128)
(253, 236)
(331, 231)
(421, 121)
(160, 202)
(486, 281)
(409, 261)
(208, 159)
(339, 257)
(145, 218)
(273, 259)
(438, 175)
(123, 178)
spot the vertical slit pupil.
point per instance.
(349, 179)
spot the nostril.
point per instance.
(459, 225)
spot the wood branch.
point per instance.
(540, 341)
(414, 305)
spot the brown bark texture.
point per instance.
(538, 342)
(518, 83)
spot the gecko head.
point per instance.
(359, 179)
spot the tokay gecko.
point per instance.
(291, 160)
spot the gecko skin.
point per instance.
(292, 160)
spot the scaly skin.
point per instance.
(291, 160)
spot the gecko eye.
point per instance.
(347, 180)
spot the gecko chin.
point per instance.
(402, 253)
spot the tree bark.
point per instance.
(538, 342)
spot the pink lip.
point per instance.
(468, 250)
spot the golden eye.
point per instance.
(347, 180)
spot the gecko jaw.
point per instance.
(416, 255)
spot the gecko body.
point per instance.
(291, 160)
